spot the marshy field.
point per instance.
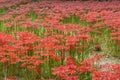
(59, 40)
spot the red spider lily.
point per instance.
(91, 60)
(84, 37)
(71, 41)
(29, 24)
(11, 78)
(61, 47)
(49, 42)
(14, 59)
(116, 68)
(25, 43)
(26, 38)
(31, 67)
(20, 17)
(9, 24)
(8, 48)
(10, 57)
(85, 68)
(50, 54)
(105, 76)
(4, 60)
(31, 62)
(68, 72)
(59, 37)
(6, 39)
(38, 71)
(115, 34)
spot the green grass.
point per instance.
(3, 11)
(33, 16)
(75, 20)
